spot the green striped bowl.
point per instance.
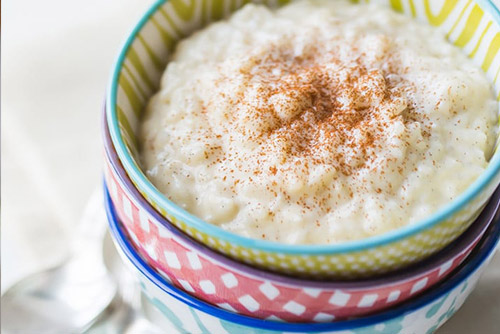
(471, 25)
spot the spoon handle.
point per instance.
(90, 232)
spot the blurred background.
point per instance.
(56, 59)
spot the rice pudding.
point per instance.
(317, 123)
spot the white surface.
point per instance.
(56, 57)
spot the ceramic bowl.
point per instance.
(471, 25)
(243, 289)
(423, 314)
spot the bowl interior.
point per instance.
(471, 25)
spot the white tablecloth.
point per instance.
(56, 58)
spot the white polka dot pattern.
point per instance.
(269, 290)
(249, 303)
(419, 285)
(339, 298)
(229, 280)
(368, 300)
(207, 286)
(294, 308)
(393, 296)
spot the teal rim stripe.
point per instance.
(143, 183)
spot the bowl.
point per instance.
(243, 289)
(423, 314)
(471, 25)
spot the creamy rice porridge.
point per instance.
(319, 122)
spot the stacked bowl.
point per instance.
(204, 279)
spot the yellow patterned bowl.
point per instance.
(473, 26)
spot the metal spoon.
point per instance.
(125, 316)
(69, 297)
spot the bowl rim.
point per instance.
(470, 266)
(471, 235)
(200, 225)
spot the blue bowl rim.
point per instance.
(143, 183)
(483, 250)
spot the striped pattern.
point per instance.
(466, 25)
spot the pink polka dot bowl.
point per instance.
(243, 289)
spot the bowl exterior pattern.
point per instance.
(425, 320)
(467, 25)
(238, 291)
(424, 315)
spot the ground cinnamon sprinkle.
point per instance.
(316, 108)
